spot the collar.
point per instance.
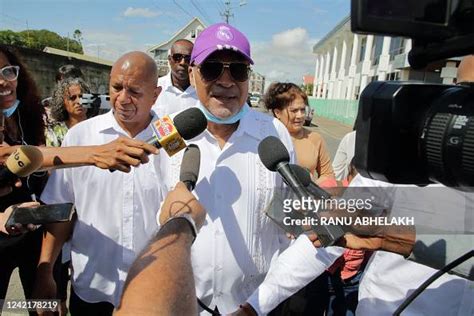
(167, 84)
(108, 123)
(250, 125)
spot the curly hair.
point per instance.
(58, 110)
(30, 109)
(279, 95)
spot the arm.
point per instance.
(119, 154)
(323, 165)
(161, 280)
(341, 160)
(293, 269)
(53, 239)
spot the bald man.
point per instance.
(115, 211)
(466, 70)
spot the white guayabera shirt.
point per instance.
(171, 99)
(116, 212)
(234, 248)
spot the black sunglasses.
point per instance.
(178, 57)
(212, 70)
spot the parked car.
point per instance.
(309, 116)
(254, 100)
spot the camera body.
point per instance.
(416, 133)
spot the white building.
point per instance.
(160, 52)
(347, 62)
(256, 83)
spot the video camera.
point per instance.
(97, 103)
(416, 133)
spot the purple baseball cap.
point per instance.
(216, 37)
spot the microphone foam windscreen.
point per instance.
(190, 123)
(24, 161)
(190, 165)
(301, 173)
(271, 152)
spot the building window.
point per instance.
(396, 47)
(377, 49)
(193, 33)
(363, 44)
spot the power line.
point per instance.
(201, 11)
(182, 9)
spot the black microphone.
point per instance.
(169, 134)
(189, 171)
(275, 157)
(303, 175)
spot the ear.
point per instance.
(277, 113)
(156, 93)
(192, 80)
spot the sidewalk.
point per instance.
(330, 127)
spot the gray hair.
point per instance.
(58, 110)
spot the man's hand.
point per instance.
(393, 238)
(179, 201)
(17, 229)
(45, 286)
(122, 153)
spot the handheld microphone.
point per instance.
(275, 157)
(21, 163)
(189, 172)
(303, 175)
(169, 134)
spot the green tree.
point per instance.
(39, 39)
(77, 36)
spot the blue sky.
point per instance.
(281, 32)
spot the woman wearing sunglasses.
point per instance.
(288, 103)
(23, 112)
(66, 109)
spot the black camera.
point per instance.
(415, 133)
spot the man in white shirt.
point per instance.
(116, 212)
(237, 243)
(177, 93)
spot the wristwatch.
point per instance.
(189, 219)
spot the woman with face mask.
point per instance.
(24, 125)
(288, 103)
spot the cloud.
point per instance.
(109, 45)
(286, 57)
(140, 12)
(290, 38)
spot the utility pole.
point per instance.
(227, 13)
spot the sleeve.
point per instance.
(59, 186)
(340, 163)
(292, 270)
(323, 165)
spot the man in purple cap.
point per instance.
(234, 249)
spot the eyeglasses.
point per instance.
(10, 73)
(178, 57)
(212, 70)
(74, 97)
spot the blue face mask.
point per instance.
(9, 112)
(230, 120)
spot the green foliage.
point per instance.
(39, 39)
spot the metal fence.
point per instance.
(344, 111)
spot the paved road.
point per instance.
(331, 131)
